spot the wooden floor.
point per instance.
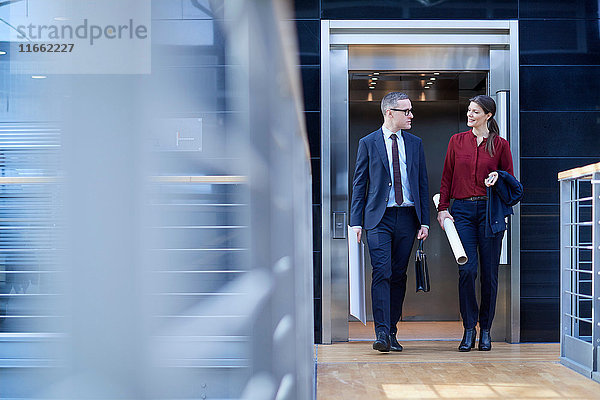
(434, 369)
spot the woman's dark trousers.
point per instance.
(469, 219)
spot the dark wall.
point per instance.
(560, 129)
(559, 111)
(308, 25)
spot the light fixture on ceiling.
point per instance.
(2, 53)
(375, 73)
(61, 19)
(374, 78)
(436, 73)
(432, 79)
(38, 77)
(371, 87)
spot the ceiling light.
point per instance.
(38, 77)
(2, 53)
(432, 79)
(375, 73)
(371, 87)
(61, 19)
(374, 78)
(426, 87)
(436, 73)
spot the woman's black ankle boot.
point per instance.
(485, 340)
(468, 340)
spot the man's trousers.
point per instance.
(390, 244)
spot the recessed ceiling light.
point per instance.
(371, 87)
(436, 73)
(38, 77)
(374, 78)
(426, 87)
(375, 73)
(2, 53)
(432, 79)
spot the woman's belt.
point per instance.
(475, 198)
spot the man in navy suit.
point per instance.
(390, 202)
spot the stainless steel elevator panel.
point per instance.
(339, 191)
(428, 58)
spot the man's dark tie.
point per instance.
(396, 166)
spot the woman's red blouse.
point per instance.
(467, 165)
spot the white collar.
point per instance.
(387, 133)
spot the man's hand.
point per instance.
(442, 215)
(358, 233)
(423, 233)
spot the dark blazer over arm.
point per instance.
(507, 192)
(372, 180)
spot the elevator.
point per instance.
(440, 65)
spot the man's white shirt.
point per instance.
(408, 200)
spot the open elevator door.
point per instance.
(439, 101)
(475, 61)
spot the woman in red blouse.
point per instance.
(472, 159)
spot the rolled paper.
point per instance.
(452, 235)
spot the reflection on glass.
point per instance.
(155, 229)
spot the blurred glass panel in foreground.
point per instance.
(182, 202)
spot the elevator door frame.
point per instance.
(336, 37)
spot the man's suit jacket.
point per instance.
(373, 180)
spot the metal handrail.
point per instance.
(588, 320)
(579, 172)
(585, 296)
(216, 179)
(201, 179)
(579, 270)
(580, 200)
(579, 294)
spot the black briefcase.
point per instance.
(421, 270)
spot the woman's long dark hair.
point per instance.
(489, 106)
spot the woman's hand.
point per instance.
(491, 179)
(442, 215)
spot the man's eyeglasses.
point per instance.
(406, 112)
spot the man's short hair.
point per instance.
(390, 100)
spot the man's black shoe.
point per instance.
(394, 345)
(468, 340)
(485, 340)
(382, 343)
